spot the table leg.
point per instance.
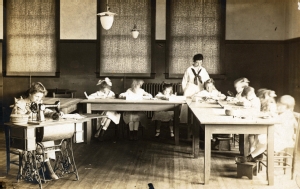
(7, 141)
(86, 108)
(270, 156)
(190, 129)
(176, 124)
(207, 154)
(195, 137)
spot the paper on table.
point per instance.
(73, 116)
(177, 98)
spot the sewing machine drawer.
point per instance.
(22, 138)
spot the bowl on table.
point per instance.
(19, 118)
(232, 112)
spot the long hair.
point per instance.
(267, 99)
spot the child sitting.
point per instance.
(134, 118)
(36, 93)
(251, 100)
(164, 115)
(268, 102)
(284, 135)
(239, 85)
(210, 91)
(105, 92)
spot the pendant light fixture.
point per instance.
(135, 32)
(107, 18)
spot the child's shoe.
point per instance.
(240, 159)
(157, 134)
(172, 134)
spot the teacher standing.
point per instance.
(194, 77)
(192, 82)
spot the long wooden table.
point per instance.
(89, 105)
(212, 118)
(67, 105)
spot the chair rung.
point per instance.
(283, 166)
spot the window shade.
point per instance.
(194, 27)
(30, 37)
(121, 54)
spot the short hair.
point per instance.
(37, 87)
(242, 80)
(209, 81)
(136, 82)
(247, 90)
(197, 57)
(287, 100)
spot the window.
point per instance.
(30, 40)
(193, 26)
(119, 53)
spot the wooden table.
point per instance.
(67, 105)
(89, 105)
(212, 117)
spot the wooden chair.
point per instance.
(62, 95)
(287, 158)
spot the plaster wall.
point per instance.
(255, 20)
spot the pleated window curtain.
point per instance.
(194, 26)
(31, 37)
(119, 53)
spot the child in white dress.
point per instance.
(134, 118)
(105, 92)
(164, 116)
(210, 91)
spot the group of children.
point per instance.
(265, 103)
(133, 118)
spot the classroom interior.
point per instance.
(259, 40)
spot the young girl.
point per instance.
(105, 92)
(35, 94)
(268, 102)
(165, 116)
(239, 85)
(210, 91)
(250, 99)
(134, 118)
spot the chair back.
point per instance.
(297, 116)
(62, 95)
(297, 131)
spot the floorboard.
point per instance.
(148, 163)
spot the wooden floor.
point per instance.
(148, 163)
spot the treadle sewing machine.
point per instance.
(29, 140)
